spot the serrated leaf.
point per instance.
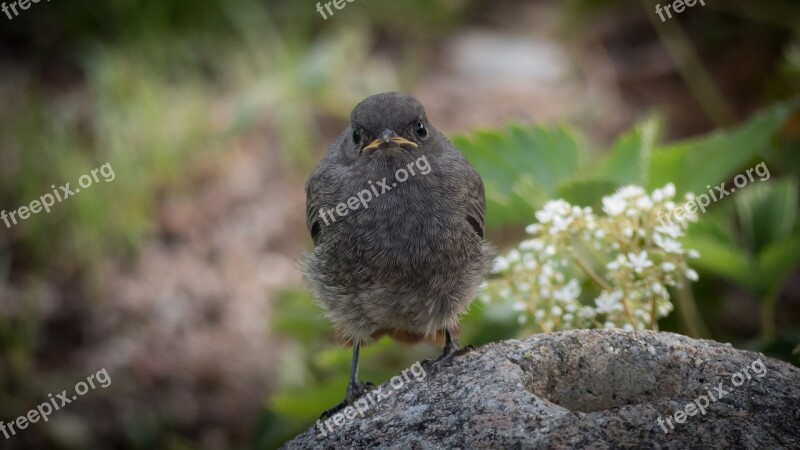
(586, 193)
(629, 159)
(554, 151)
(521, 168)
(709, 160)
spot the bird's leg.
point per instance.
(355, 389)
(451, 347)
(451, 350)
(450, 344)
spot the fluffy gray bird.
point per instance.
(397, 217)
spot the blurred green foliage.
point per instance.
(756, 248)
(161, 99)
(758, 257)
(150, 131)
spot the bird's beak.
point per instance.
(389, 137)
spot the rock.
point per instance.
(580, 389)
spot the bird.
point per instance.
(397, 216)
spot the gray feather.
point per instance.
(412, 260)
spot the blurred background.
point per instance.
(179, 277)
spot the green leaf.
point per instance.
(767, 213)
(709, 160)
(629, 160)
(719, 252)
(776, 262)
(521, 168)
(587, 193)
(549, 156)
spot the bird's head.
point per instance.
(388, 121)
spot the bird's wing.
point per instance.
(321, 188)
(476, 202)
(313, 205)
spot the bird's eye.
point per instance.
(420, 129)
(358, 136)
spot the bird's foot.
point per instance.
(354, 391)
(450, 351)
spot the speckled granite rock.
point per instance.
(582, 389)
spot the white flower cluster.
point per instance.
(581, 270)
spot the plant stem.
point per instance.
(691, 68)
(690, 315)
(599, 280)
(768, 317)
(653, 318)
(628, 311)
(588, 271)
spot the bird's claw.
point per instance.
(432, 365)
(354, 391)
(467, 349)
